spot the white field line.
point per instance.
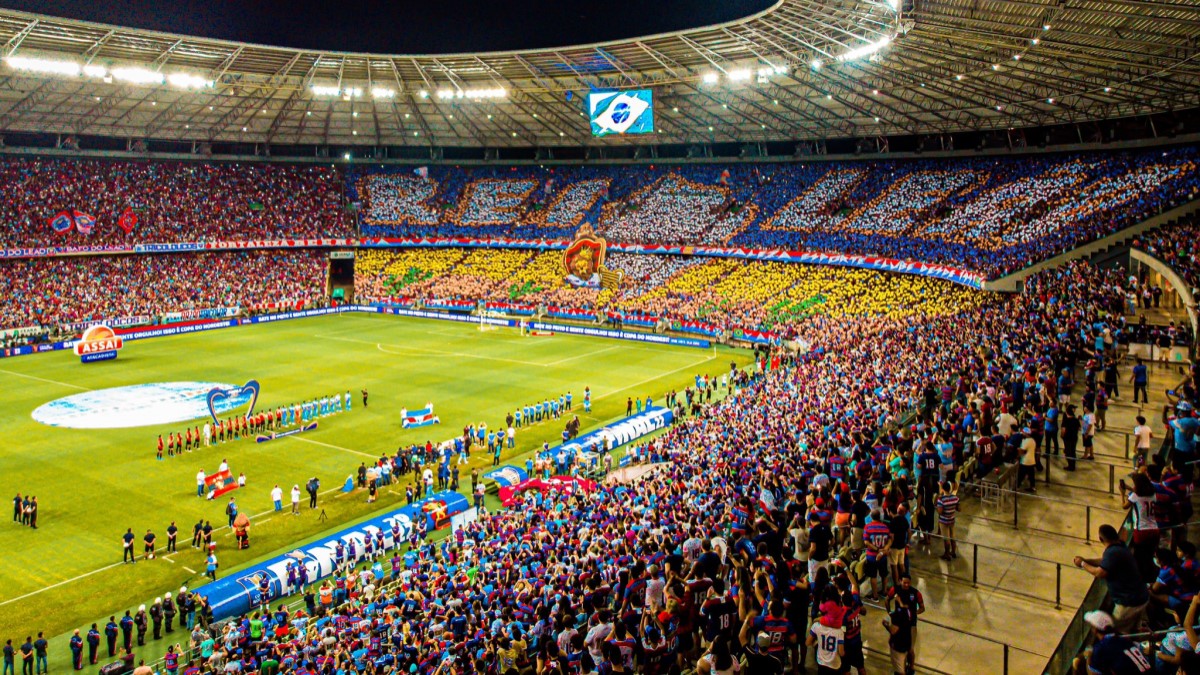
(42, 379)
(411, 351)
(651, 379)
(583, 356)
(56, 585)
(335, 447)
(108, 567)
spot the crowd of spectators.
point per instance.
(48, 292)
(171, 201)
(728, 294)
(990, 215)
(778, 530)
(1178, 245)
(675, 210)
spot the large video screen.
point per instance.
(621, 112)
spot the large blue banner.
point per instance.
(239, 593)
(615, 435)
(507, 475)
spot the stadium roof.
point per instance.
(802, 69)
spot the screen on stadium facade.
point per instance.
(621, 112)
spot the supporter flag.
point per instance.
(418, 418)
(83, 222)
(62, 222)
(128, 220)
(422, 171)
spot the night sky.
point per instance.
(403, 26)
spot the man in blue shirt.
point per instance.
(1118, 568)
(40, 645)
(1064, 387)
(1186, 427)
(1140, 378)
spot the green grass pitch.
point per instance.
(92, 484)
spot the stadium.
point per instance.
(746, 337)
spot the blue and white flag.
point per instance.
(507, 475)
(418, 418)
(621, 112)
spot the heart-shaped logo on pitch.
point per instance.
(225, 400)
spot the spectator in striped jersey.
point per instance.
(947, 510)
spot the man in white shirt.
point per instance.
(1143, 434)
(597, 634)
(1006, 423)
(295, 500)
(830, 644)
(277, 497)
(200, 483)
(207, 434)
(655, 585)
(1028, 461)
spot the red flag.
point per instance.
(62, 222)
(128, 220)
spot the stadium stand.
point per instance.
(989, 215)
(172, 201)
(48, 293)
(639, 571)
(894, 368)
(1178, 245)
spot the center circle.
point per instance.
(138, 405)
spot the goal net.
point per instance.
(488, 319)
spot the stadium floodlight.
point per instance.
(894, 5)
(325, 90)
(188, 81)
(445, 93)
(351, 92)
(423, 94)
(816, 64)
(711, 78)
(347, 156)
(739, 75)
(486, 93)
(92, 70)
(866, 50)
(380, 92)
(51, 66)
(135, 75)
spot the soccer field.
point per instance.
(92, 484)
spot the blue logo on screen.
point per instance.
(621, 112)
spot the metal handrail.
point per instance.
(1058, 568)
(1005, 646)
